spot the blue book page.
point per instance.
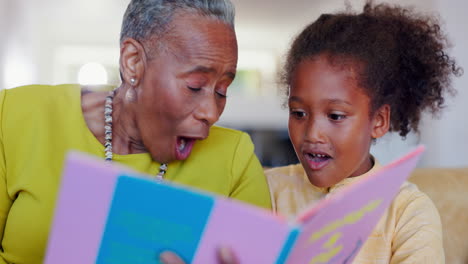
(142, 222)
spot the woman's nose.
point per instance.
(208, 110)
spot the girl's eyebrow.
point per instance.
(294, 99)
(329, 101)
(338, 101)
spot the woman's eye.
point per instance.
(222, 95)
(337, 117)
(195, 89)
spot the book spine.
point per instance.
(288, 245)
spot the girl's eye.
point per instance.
(297, 114)
(336, 117)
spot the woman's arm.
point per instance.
(5, 200)
(250, 184)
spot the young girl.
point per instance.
(351, 78)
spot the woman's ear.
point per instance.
(132, 62)
(381, 121)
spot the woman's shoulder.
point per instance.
(38, 89)
(226, 133)
(224, 144)
(221, 137)
(29, 107)
(30, 95)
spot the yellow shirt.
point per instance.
(408, 232)
(39, 124)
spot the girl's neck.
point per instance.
(365, 167)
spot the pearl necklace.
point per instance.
(108, 135)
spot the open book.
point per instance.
(108, 214)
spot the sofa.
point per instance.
(448, 189)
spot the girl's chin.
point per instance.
(321, 179)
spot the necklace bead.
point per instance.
(108, 135)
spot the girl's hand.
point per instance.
(225, 256)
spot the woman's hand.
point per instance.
(225, 256)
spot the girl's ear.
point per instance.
(381, 121)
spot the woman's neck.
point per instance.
(125, 133)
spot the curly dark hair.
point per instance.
(402, 57)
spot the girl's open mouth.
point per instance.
(317, 161)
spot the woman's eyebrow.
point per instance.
(204, 69)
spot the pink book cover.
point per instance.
(109, 214)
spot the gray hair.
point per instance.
(144, 19)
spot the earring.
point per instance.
(130, 95)
(132, 81)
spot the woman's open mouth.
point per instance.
(184, 147)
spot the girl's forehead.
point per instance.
(337, 62)
(320, 72)
(318, 81)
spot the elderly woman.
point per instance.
(177, 59)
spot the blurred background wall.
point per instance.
(65, 41)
